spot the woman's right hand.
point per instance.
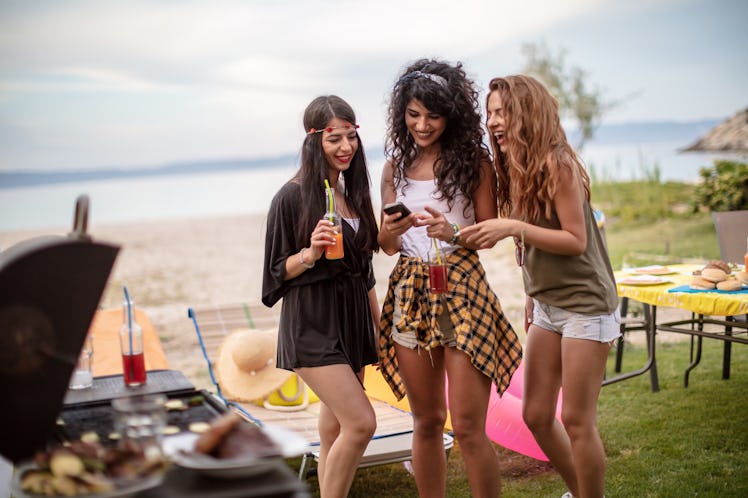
(397, 225)
(322, 236)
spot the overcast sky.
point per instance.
(86, 84)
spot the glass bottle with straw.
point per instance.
(437, 270)
(334, 251)
(131, 345)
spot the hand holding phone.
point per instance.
(396, 207)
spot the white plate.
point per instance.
(131, 489)
(642, 280)
(180, 449)
(652, 270)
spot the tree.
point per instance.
(569, 85)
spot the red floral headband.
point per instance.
(312, 131)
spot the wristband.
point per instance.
(455, 238)
(301, 259)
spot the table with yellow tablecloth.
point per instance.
(704, 308)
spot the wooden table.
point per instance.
(703, 306)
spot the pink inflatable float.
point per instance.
(504, 424)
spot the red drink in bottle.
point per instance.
(437, 278)
(133, 366)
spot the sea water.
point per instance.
(228, 193)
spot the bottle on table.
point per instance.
(131, 345)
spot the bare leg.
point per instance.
(424, 384)
(345, 401)
(583, 367)
(469, 391)
(329, 429)
(542, 364)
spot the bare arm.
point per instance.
(321, 237)
(391, 226)
(570, 239)
(375, 313)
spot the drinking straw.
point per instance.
(438, 254)
(330, 199)
(129, 316)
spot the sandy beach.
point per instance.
(171, 265)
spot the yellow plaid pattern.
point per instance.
(481, 329)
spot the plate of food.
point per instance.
(231, 448)
(643, 280)
(87, 469)
(653, 270)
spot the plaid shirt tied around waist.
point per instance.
(481, 329)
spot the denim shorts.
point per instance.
(600, 328)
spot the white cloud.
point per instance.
(231, 77)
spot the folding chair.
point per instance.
(393, 438)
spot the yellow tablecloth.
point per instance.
(706, 303)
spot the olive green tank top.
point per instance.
(583, 284)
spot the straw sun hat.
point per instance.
(246, 365)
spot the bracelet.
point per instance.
(301, 259)
(455, 238)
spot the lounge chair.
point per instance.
(394, 435)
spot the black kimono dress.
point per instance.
(325, 316)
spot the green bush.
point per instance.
(724, 187)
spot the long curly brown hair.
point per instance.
(530, 170)
(450, 94)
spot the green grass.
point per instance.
(653, 222)
(677, 442)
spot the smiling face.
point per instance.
(424, 126)
(495, 119)
(339, 145)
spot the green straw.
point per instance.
(438, 254)
(330, 199)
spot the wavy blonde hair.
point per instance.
(537, 149)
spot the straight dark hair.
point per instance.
(312, 174)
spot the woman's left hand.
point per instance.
(486, 233)
(437, 225)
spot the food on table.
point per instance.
(731, 284)
(175, 405)
(742, 277)
(700, 283)
(714, 274)
(199, 427)
(720, 265)
(170, 430)
(196, 400)
(90, 437)
(81, 468)
(230, 437)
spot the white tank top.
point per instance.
(419, 193)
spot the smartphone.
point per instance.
(397, 207)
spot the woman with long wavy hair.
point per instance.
(438, 167)
(571, 306)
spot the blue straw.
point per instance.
(129, 316)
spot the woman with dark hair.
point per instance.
(439, 168)
(329, 312)
(571, 308)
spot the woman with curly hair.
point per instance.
(438, 167)
(571, 307)
(327, 331)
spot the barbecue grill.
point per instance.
(50, 287)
